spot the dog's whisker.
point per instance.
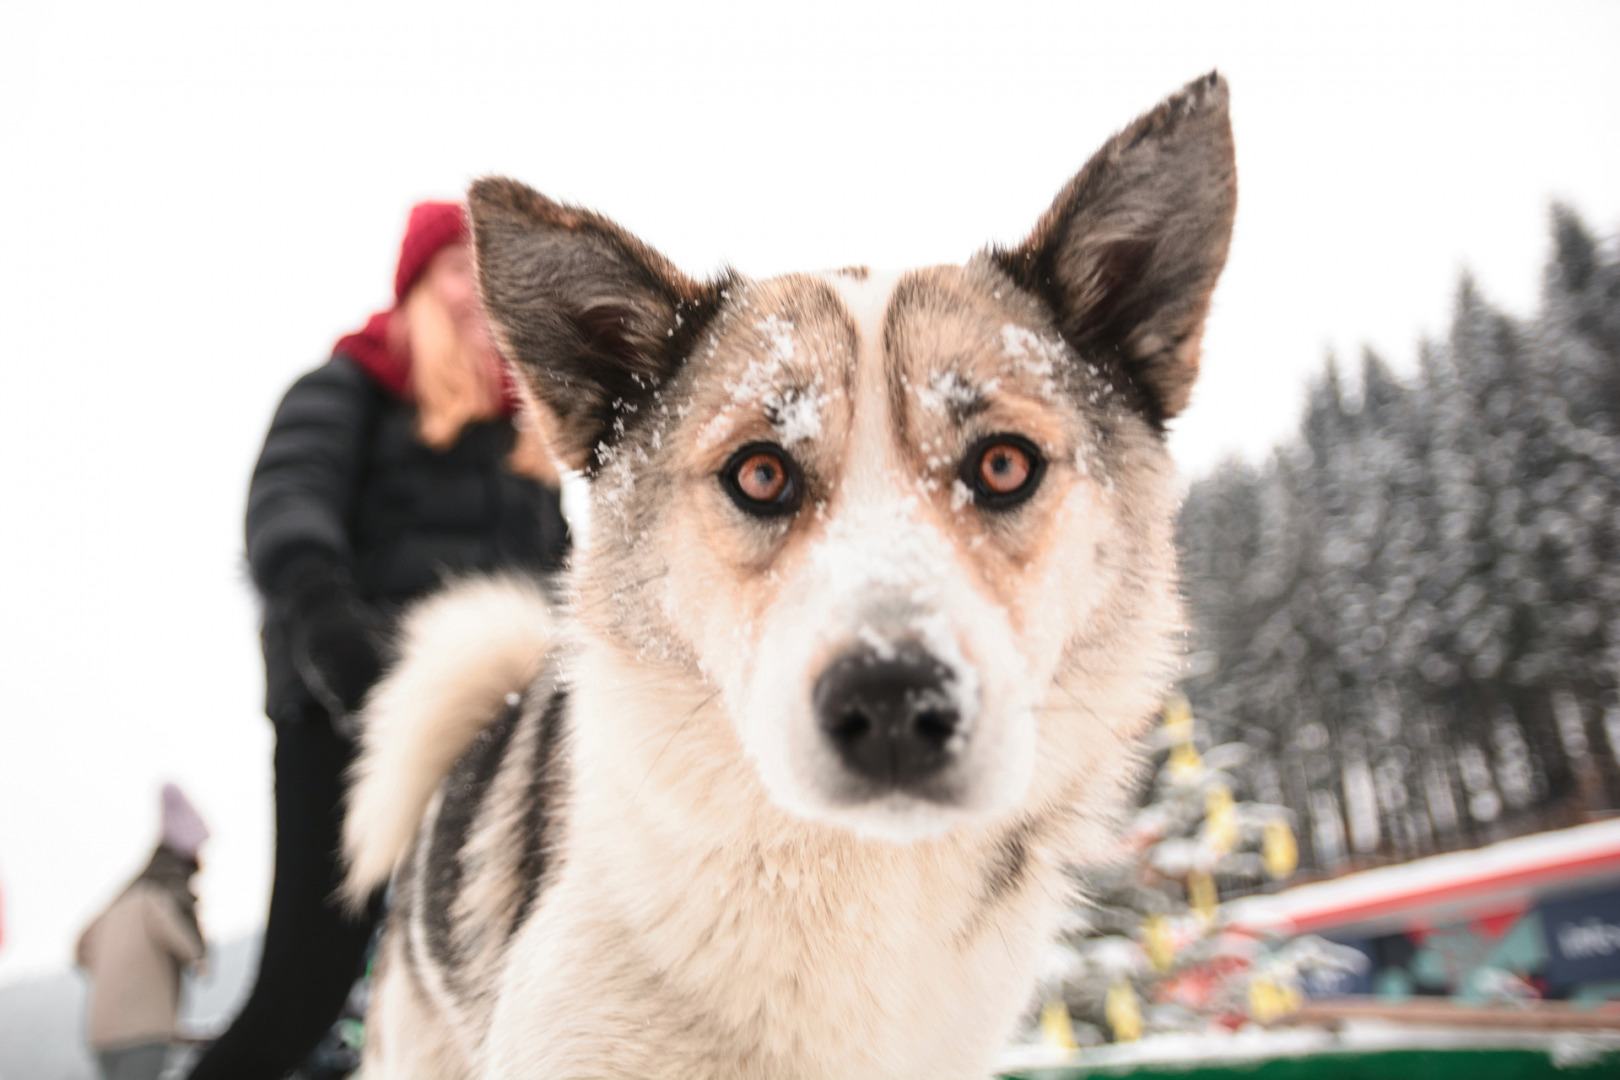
(652, 768)
(1088, 711)
(695, 709)
(639, 582)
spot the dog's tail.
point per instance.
(463, 651)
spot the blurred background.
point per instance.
(1403, 562)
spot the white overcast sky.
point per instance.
(199, 199)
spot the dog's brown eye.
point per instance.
(762, 477)
(1004, 468)
(1002, 471)
(763, 480)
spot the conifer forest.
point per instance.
(1411, 611)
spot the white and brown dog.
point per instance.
(878, 596)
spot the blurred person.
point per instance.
(135, 950)
(401, 460)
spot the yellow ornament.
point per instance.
(1178, 732)
(1123, 1012)
(1270, 1001)
(1279, 849)
(1220, 819)
(1185, 760)
(1156, 940)
(1178, 719)
(1057, 1030)
(1201, 895)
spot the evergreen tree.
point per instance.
(1411, 613)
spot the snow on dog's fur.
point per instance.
(878, 596)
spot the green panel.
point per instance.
(1523, 949)
(1392, 1065)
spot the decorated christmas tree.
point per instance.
(1148, 949)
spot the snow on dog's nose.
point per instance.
(891, 715)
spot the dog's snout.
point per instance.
(892, 717)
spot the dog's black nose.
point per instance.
(891, 716)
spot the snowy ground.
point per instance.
(1256, 1044)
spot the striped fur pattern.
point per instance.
(464, 650)
(625, 841)
(486, 847)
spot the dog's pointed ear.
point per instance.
(1129, 252)
(594, 319)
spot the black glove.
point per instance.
(336, 638)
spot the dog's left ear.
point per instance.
(1129, 252)
(594, 319)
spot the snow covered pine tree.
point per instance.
(1411, 613)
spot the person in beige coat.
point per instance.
(135, 950)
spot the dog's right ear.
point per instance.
(594, 319)
(1129, 252)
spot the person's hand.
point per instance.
(337, 653)
(336, 639)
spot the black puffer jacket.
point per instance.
(343, 481)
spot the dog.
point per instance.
(879, 597)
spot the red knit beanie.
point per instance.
(433, 227)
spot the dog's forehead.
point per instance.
(780, 354)
(942, 341)
(963, 317)
(944, 344)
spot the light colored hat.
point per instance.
(183, 828)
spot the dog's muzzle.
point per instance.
(892, 717)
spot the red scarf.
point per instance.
(369, 347)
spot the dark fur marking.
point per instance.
(905, 294)
(401, 903)
(544, 793)
(1009, 871)
(963, 411)
(462, 795)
